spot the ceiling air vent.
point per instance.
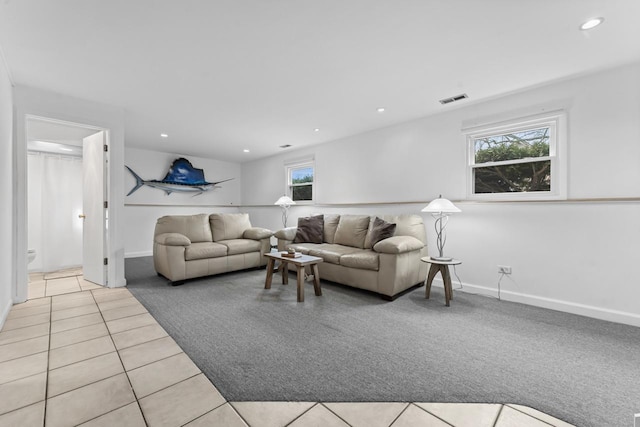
(285, 146)
(454, 99)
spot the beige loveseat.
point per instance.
(188, 246)
(387, 267)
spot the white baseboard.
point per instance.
(550, 303)
(138, 254)
(4, 312)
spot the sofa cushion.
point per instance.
(408, 225)
(364, 260)
(398, 245)
(172, 239)
(229, 225)
(257, 233)
(241, 246)
(352, 230)
(304, 248)
(330, 226)
(195, 227)
(379, 229)
(332, 253)
(310, 229)
(204, 250)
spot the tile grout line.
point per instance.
(239, 414)
(135, 396)
(88, 358)
(26, 339)
(85, 385)
(199, 416)
(432, 414)
(77, 327)
(401, 412)
(532, 416)
(495, 423)
(46, 383)
(304, 412)
(28, 326)
(30, 404)
(21, 357)
(339, 417)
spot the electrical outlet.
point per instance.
(504, 269)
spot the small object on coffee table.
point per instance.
(300, 263)
(291, 254)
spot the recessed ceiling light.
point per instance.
(65, 149)
(380, 110)
(245, 150)
(316, 130)
(591, 23)
(164, 135)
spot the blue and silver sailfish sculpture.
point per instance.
(182, 177)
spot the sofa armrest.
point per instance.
(172, 239)
(398, 245)
(288, 233)
(257, 233)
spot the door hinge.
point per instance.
(106, 205)
(106, 147)
(106, 261)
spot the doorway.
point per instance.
(66, 208)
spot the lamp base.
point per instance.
(441, 258)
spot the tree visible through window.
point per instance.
(496, 171)
(301, 182)
(517, 160)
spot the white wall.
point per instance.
(146, 205)
(579, 256)
(7, 277)
(54, 203)
(35, 102)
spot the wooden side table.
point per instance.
(300, 263)
(443, 268)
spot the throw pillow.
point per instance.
(310, 229)
(381, 230)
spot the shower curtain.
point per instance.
(54, 206)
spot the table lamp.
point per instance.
(285, 203)
(440, 209)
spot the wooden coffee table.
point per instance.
(300, 263)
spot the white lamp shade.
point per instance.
(441, 205)
(284, 201)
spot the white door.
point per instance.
(93, 199)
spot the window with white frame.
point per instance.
(519, 160)
(300, 180)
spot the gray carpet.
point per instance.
(349, 345)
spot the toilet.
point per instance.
(31, 255)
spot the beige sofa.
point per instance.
(389, 267)
(189, 246)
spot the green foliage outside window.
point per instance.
(302, 184)
(511, 175)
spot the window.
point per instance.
(300, 181)
(519, 160)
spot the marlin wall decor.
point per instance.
(182, 177)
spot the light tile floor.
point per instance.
(96, 357)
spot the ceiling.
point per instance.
(222, 76)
